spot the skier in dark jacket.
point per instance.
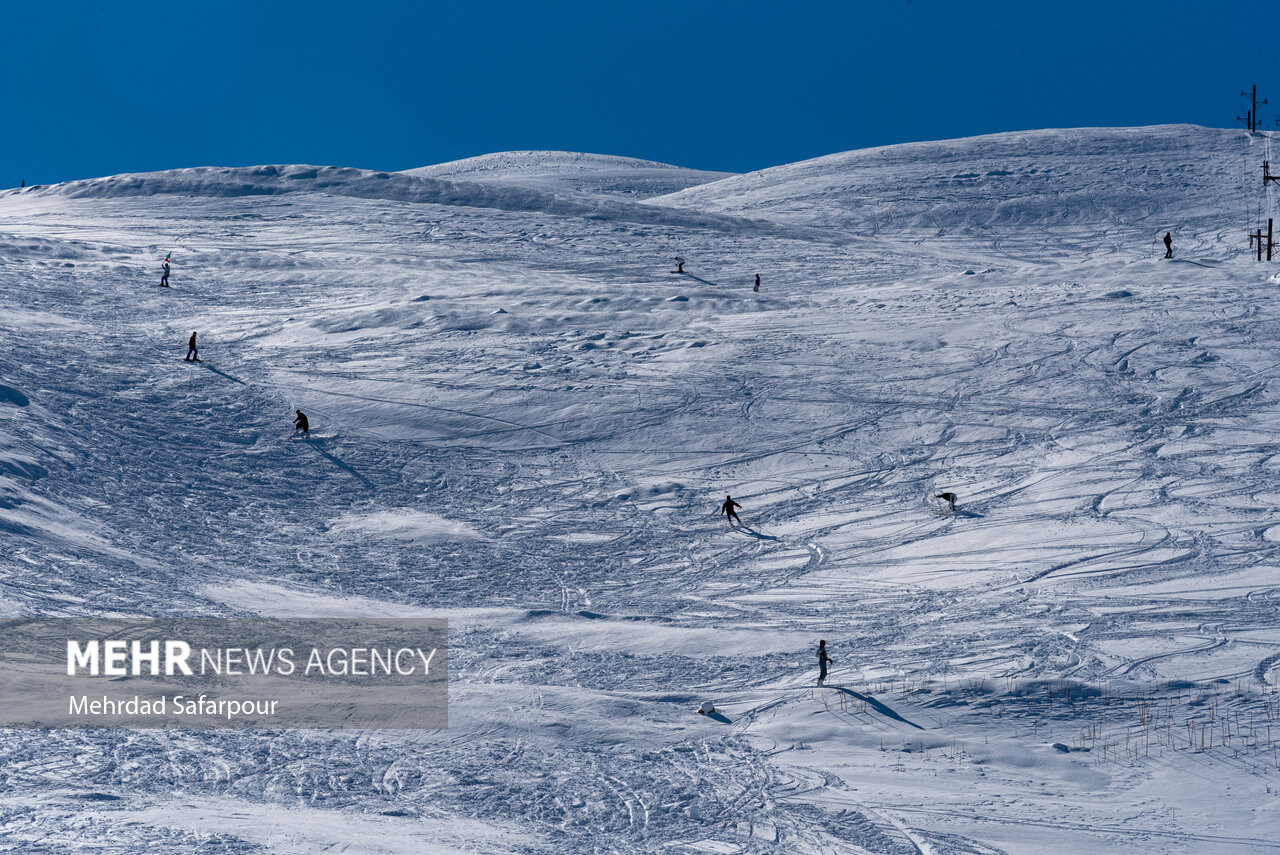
(757, 288)
(949, 498)
(164, 279)
(301, 423)
(193, 355)
(1168, 245)
(728, 510)
(823, 661)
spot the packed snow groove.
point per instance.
(523, 418)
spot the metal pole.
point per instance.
(1269, 219)
(1258, 236)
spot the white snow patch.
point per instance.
(278, 601)
(583, 537)
(303, 830)
(416, 527)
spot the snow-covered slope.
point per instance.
(563, 171)
(288, 180)
(1088, 183)
(524, 420)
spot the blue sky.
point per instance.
(97, 88)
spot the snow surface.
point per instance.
(571, 172)
(524, 420)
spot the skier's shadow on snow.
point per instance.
(969, 515)
(317, 444)
(697, 278)
(757, 535)
(224, 374)
(885, 711)
(718, 716)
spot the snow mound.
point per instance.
(1162, 177)
(415, 527)
(564, 171)
(214, 182)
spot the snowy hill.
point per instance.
(524, 420)
(1055, 182)
(563, 171)
(221, 182)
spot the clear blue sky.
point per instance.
(109, 86)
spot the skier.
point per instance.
(164, 279)
(679, 264)
(823, 661)
(728, 510)
(1168, 245)
(193, 355)
(949, 498)
(757, 288)
(301, 424)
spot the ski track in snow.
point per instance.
(523, 419)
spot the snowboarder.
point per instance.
(757, 288)
(728, 510)
(164, 279)
(679, 264)
(949, 498)
(823, 661)
(1168, 245)
(301, 424)
(193, 355)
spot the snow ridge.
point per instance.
(561, 171)
(229, 182)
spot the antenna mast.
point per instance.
(1250, 117)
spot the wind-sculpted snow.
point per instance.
(561, 171)
(1084, 187)
(223, 182)
(523, 419)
